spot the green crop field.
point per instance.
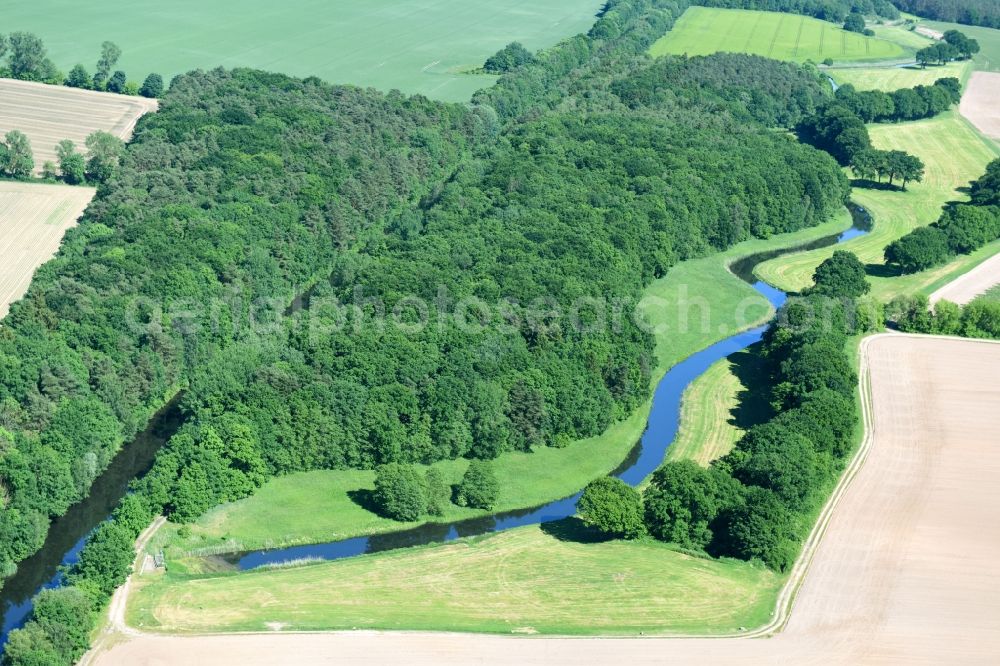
(701, 31)
(531, 579)
(893, 78)
(417, 46)
(954, 154)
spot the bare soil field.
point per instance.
(49, 114)
(974, 283)
(903, 570)
(33, 219)
(981, 103)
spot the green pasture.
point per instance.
(701, 31)
(954, 155)
(417, 46)
(893, 78)
(538, 579)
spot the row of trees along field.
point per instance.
(971, 12)
(28, 60)
(836, 11)
(104, 153)
(954, 46)
(961, 229)
(757, 501)
(246, 187)
(839, 126)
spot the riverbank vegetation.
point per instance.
(519, 214)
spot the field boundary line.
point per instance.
(774, 37)
(798, 36)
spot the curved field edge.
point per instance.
(314, 507)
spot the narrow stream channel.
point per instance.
(68, 534)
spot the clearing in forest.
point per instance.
(701, 31)
(33, 219)
(49, 114)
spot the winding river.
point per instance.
(68, 534)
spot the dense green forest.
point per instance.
(971, 12)
(461, 279)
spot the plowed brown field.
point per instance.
(49, 114)
(33, 219)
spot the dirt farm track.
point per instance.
(905, 572)
(49, 114)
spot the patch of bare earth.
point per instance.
(33, 219)
(974, 283)
(49, 114)
(981, 103)
(906, 572)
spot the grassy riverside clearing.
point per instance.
(954, 155)
(893, 78)
(522, 580)
(417, 46)
(313, 507)
(718, 407)
(701, 31)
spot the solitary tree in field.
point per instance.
(479, 487)
(71, 163)
(855, 23)
(18, 160)
(842, 275)
(110, 53)
(612, 506)
(400, 491)
(105, 153)
(152, 86)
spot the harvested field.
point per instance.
(49, 114)
(974, 283)
(904, 573)
(981, 103)
(33, 219)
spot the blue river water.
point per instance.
(68, 534)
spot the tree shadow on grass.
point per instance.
(365, 498)
(754, 401)
(574, 530)
(883, 270)
(875, 185)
